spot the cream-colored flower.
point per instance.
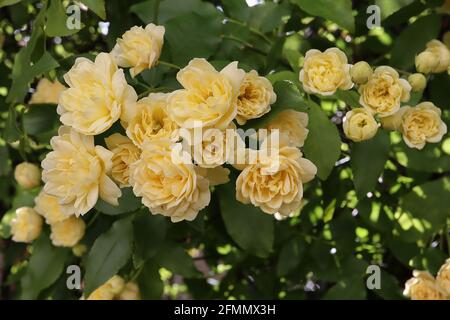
(125, 153)
(293, 124)
(426, 62)
(255, 97)
(48, 207)
(441, 54)
(443, 277)
(97, 96)
(27, 175)
(422, 124)
(384, 92)
(26, 225)
(148, 119)
(76, 172)
(68, 232)
(167, 187)
(139, 48)
(422, 287)
(130, 292)
(209, 97)
(47, 92)
(325, 72)
(359, 125)
(117, 284)
(275, 182)
(104, 292)
(216, 176)
(393, 122)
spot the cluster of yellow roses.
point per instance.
(26, 225)
(77, 172)
(116, 289)
(382, 92)
(423, 286)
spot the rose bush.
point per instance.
(323, 149)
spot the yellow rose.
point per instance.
(148, 119)
(125, 153)
(443, 277)
(359, 124)
(48, 207)
(422, 287)
(426, 62)
(47, 92)
(417, 81)
(130, 292)
(26, 225)
(76, 172)
(361, 72)
(216, 176)
(275, 182)
(167, 187)
(27, 175)
(384, 91)
(393, 122)
(117, 284)
(68, 232)
(209, 97)
(293, 125)
(255, 97)
(421, 124)
(97, 96)
(104, 292)
(325, 72)
(441, 54)
(139, 48)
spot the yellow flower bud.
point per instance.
(417, 81)
(361, 72)
(68, 232)
(79, 250)
(27, 175)
(130, 292)
(426, 62)
(26, 226)
(117, 284)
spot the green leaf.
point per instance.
(347, 289)
(150, 284)
(109, 253)
(57, 20)
(338, 11)
(173, 257)
(368, 160)
(149, 233)
(390, 288)
(389, 7)
(40, 119)
(44, 268)
(11, 132)
(128, 202)
(439, 90)
(5, 163)
(242, 220)
(413, 39)
(268, 16)
(350, 97)
(323, 144)
(97, 6)
(432, 158)
(5, 3)
(290, 256)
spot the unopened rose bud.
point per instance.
(426, 62)
(26, 226)
(417, 81)
(117, 284)
(27, 175)
(79, 250)
(361, 72)
(130, 292)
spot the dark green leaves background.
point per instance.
(374, 202)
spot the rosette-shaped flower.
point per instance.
(76, 172)
(436, 58)
(209, 97)
(360, 125)
(275, 182)
(68, 232)
(384, 92)
(293, 124)
(255, 97)
(125, 153)
(168, 187)
(325, 72)
(443, 277)
(48, 207)
(139, 48)
(26, 225)
(148, 119)
(423, 287)
(98, 94)
(47, 92)
(422, 124)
